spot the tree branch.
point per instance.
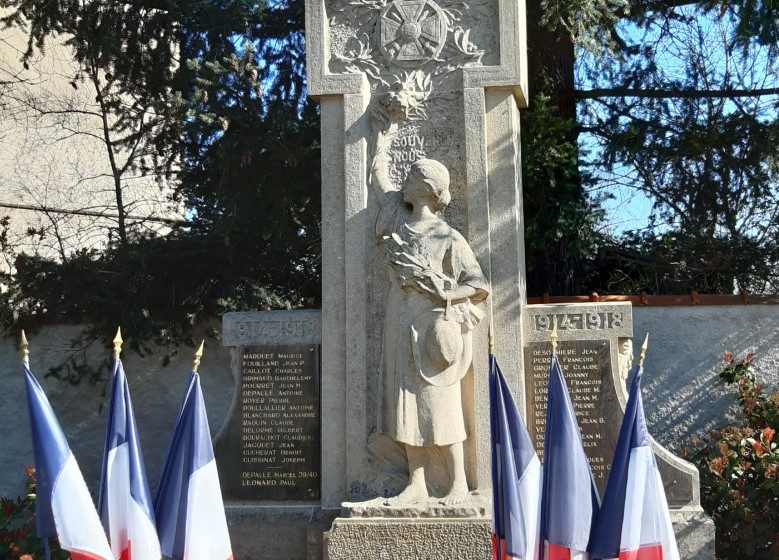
(74, 212)
(673, 93)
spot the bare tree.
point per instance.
(74, 154)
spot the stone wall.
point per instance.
(686, 350)
(156, 391)
(680, 393)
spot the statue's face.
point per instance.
(411, 189)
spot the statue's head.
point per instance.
(428, 181)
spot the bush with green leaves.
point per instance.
(739, 468)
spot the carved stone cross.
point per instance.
(400, 81)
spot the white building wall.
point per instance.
(51, 157)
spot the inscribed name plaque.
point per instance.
(587, 366)
(591, 339)
(279, 423)
(271, 448)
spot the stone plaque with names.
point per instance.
(591, 337)
(587, 367)
(271, 447)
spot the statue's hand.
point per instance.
(439, 287)
(380, 119)
(432, 283)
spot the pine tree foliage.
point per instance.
(683, 115)
(561, 236)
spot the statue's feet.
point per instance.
(411, 495)
(457, 494)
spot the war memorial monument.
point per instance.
(363, 431)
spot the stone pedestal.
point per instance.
(469, 538)
(402, 539)
(427, 531)
(694, 532)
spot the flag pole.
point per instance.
(198, 356)
(118, 343)
(642, 355)
(553, 337)
(24, 354)
(24, 349)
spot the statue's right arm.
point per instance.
(387, 194)
(379, 176)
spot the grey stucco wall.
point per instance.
(156, 391)
(681, 395)
(686, 352)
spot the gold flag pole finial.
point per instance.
(642, 355)
(24, 349)
(554, 337)
(198, 356)
(492, 334)
(118, 343)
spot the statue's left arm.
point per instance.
(470, 282)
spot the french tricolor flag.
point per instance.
(191, 520)
(634, 523)
(125, 504)
(569, 498)
(516, 476)
(63, 506)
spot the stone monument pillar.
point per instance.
(422, 235)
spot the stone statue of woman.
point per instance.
(432, 308)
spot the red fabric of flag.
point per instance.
(652, 552)
(557, 552)
(81, 555)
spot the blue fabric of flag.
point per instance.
(607, 531)
(190, 449)
(512, 451)
(569, 498)
(50, 449)
(123, 429)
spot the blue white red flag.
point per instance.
(125, 504)
(63, 506)
(634, 522)
(569, 498)
(516, 476)
(191, 520)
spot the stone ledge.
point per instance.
(475, 506)
(273, 531)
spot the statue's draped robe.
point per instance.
(415, 411)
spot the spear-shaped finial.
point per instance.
(553, 337)
(642, 355)
(492, 334)
(118, 343)
(198, 356)
(24, 349)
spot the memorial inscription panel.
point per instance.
(587, 367)
(589, 350)
(273, 441)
